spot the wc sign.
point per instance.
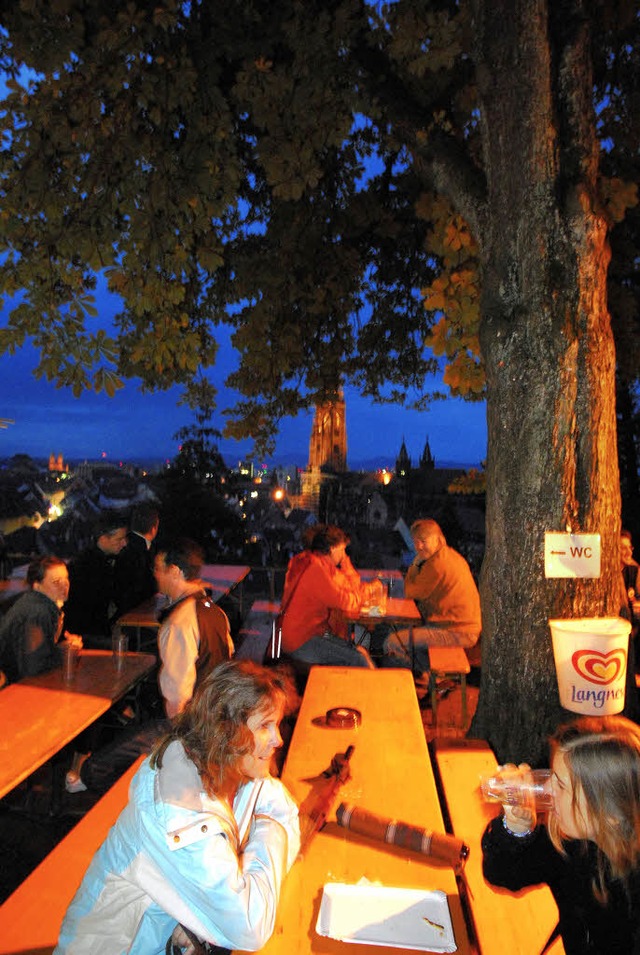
(571, 555)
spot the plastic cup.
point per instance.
(526, 788)
(70, 660)
(119, 646)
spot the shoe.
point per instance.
(72, 781)
(125, 716)
(444, 688)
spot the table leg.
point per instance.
(433, 691)
(463, 687)
(412, 649)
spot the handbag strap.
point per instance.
(283, 607)
(276, 625)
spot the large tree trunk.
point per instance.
(548, 349)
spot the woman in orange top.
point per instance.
(322, 589)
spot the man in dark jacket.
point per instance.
(135, 581)
(31, 631)
(93, 603)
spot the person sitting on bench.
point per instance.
(588, 851)
(200, 851)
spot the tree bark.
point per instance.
(549, 355)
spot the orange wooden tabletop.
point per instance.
(399, 610)
(230, 574)
(391, 775)
(40, 715)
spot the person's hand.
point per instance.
(181, 940)
(518, 805)
(74, 639)
(346, 565)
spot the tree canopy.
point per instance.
(300, 170)
(215, 161)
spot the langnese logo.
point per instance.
(599, 668)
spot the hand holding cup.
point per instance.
(514, 787)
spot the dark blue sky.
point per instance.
(135, 425)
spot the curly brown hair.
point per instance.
(213, 727)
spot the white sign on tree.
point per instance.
(571, 555)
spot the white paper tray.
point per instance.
(379, 915)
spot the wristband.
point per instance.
(518, 835)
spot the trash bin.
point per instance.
(591, 663)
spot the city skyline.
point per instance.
(132, 425)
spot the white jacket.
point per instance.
(176, 855)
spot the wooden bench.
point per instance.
(448, 663)
(255, 633)
(518, 923)
(30, 918)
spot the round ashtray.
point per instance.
(343, 717)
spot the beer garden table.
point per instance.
(391, 775)
(39, 715)
(398, 612)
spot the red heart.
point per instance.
(600, 668)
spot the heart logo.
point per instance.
(596, 667)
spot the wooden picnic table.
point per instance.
(223, 578)
(399, 612)
(39, 715)
(390, 775)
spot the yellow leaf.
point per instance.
(434, 303)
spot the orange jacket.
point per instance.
(323, 595)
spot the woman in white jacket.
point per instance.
(207, 835)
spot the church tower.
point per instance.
(427, 461)
(327, 452)
(403, 462)
(328, 443)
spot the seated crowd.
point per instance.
(212, 748)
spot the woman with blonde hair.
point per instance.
(588, 853)
(199, 853)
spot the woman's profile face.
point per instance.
(264, 724)
(573, 819)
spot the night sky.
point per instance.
(133, 425)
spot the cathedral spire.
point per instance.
(403, 461)
(427, 461)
